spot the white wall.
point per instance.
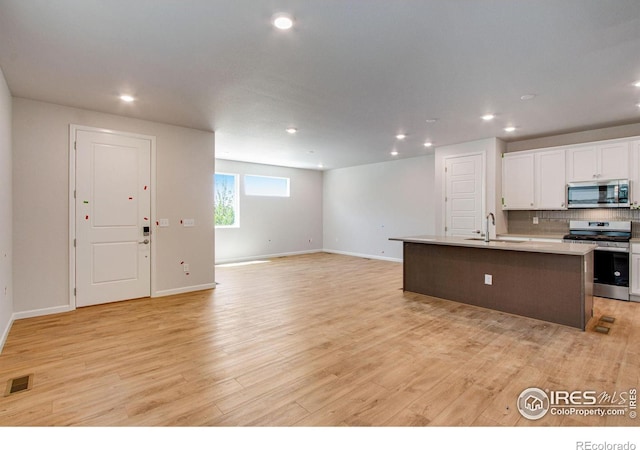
(272, 226)
(185, 164)
(492, 148)
(6, 236)
(366, 205)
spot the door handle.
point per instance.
(146, 241)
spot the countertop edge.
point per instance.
(529, 246)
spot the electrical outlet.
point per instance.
(185, 267)
(164, 222)
(535, 221)
(488, 279)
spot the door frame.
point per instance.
(445, 159)
(73, 128)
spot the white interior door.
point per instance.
(464, 195)
(113, 205)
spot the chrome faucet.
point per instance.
(486, 230)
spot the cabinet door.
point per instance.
(582, 163)
(517, 181)
(550, 180)
(634, 282)
(613, 161)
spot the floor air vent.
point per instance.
(19, 384)
(601, 328)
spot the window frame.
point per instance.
(288, 188)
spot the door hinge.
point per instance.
(446, 228)
(446, 199)
(74, 292)
(75, 145)
(445, 168)
(74, 242)
(74, 194)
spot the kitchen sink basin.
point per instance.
(506, 241)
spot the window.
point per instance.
(226, 200)
(266, 186)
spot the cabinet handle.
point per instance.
(531, 204)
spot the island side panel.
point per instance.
(588, 288)
(543, 286)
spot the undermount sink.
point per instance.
(506, 241)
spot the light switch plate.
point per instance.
(164, 222)
(488, 279)
(189, 222)
(535, 221)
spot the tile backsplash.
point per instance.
(557, 222)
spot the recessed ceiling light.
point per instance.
(282, 21)
(428, 144)
(488, 117)
(127, 98)
(292, 130)
(431, 120)
(400, 136)
(510, 129)
(320, 166)
(527, 97)
(637, 84)
(394, 152)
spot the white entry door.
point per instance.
(464, 195)
(113, 207)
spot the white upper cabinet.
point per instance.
(604, 161)
(533, 180)
(517, 181)
(550, 180)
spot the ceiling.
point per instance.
(350, 75)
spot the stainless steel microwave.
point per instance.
(598, 194)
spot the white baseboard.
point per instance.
(362, 255)
(5, 332)
(184, 290)
(275, 255)
(42, 312)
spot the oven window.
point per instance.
(611, 268)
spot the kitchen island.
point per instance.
(541, 280)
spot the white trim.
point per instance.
(73, 129)
(184, 290)
(5, 333)
(363, 255)
(274, 255)
(42, 312)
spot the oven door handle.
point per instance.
(612, 249)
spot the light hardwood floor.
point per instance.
(308, 340)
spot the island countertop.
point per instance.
(502, 244)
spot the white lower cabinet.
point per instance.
(634, 271)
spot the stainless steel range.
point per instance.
(611, 256)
